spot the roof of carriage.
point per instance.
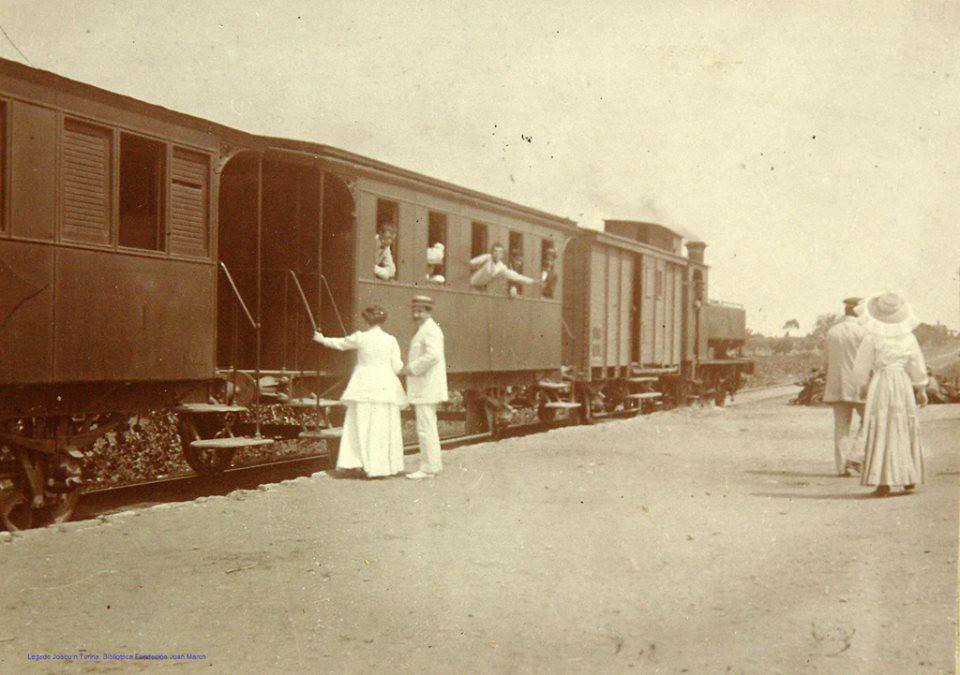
(318, 151)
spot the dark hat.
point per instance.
(852, 302)
(422, 301)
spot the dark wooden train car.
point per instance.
(107, 274)
(320, 215)
(639, 328)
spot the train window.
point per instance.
(388, 220)
(141, 193)
(548, 265)
(436, 247)
(515, 262)
(189, 174)
(478, 239)
(86, 174)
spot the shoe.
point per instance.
(845, 474)
(909, 488)
(420, 475)
(881, 491)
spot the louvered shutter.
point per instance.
(86, 159)
(189, 177)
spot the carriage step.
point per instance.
(312, 403)
(641, 371)
(331, 432)
(229, 442)
(643, 395)
(209, 408)
(561, 405)
(642, 380)
(556, 386)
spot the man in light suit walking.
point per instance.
(841, 390)
(426, 372)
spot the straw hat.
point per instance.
(888, 314)
(424, 301)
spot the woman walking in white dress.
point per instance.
(891, 352)
(372, 437)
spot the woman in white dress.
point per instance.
(372, 437)
(891, 352)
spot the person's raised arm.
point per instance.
(480, 260)
(518, 278)
(342, 344)
(385, 268)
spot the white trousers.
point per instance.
(845, 448)
(429, 437)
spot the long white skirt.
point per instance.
(372, 439)
(893, 452)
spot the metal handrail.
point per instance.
(236, 292)
(303, 297)
(333, 302)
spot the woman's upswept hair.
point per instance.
(374, 315)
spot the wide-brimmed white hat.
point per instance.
(887, 313)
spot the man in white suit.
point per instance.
(841, 390)
(426, 372)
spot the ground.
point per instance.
(689, 541)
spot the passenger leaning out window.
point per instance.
(435, 255)
(516, 265)
(490, 266)
(384, 267)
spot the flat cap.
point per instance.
(853, 302)
(422, 301)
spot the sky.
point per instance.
(815, 146)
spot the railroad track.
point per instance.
(186, 488)
(189, 487)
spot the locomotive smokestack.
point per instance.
(695, 251)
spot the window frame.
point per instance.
(378, 225)
(110, 189)
(4, 166)
(207, 190)
(513, 238)
(444, 227)
(162, 198)
(478, 226)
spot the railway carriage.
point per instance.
(153, 260)
(639, 330)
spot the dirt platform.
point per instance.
(688, 541)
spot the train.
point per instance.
(153, 260)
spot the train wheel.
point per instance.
(59, 507)
(203, 460)
(15, 511)
(208, 461)
(545, 414)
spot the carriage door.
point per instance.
(636, 301)
(648, 311)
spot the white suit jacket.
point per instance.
(374, 378)
(842, 343)
(427, 364)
